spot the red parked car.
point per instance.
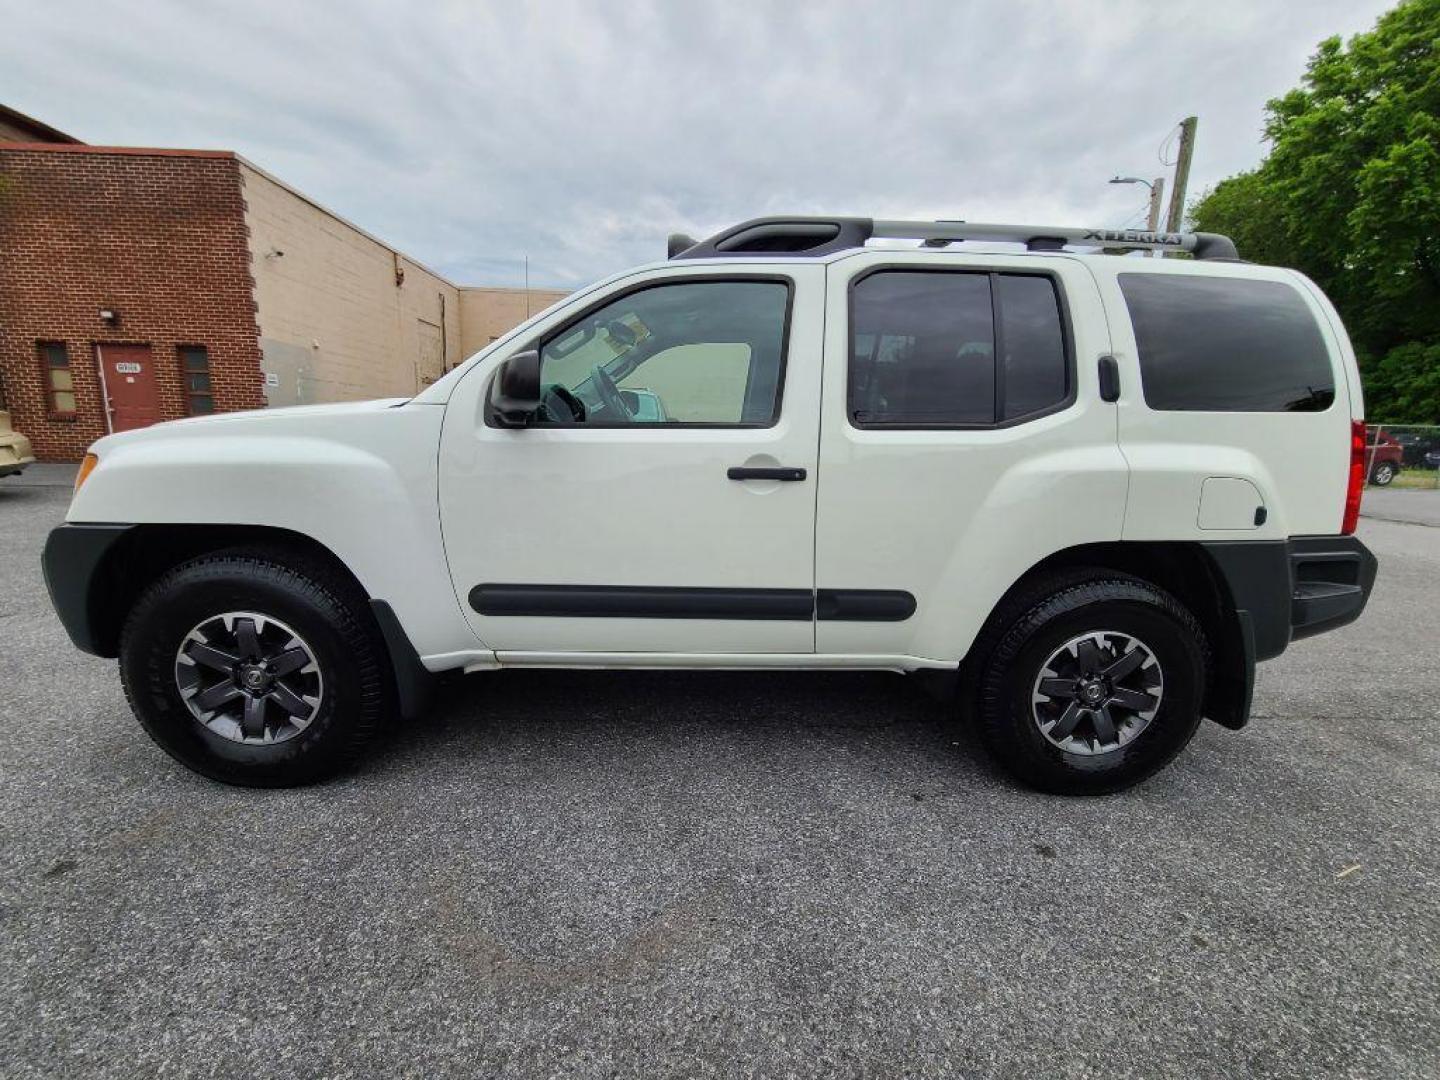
(1384, 456)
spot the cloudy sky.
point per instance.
(471, 135)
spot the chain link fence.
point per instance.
(1402, 456)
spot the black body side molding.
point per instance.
(642, 602)
(863, 605)
(672, 602)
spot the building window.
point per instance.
(195, 369)
(59, 383)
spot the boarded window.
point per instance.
(58, 380)
(195, 370)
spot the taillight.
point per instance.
(1357, 477)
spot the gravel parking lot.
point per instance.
(612, 874)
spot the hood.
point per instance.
(234, 423)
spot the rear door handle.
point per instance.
(1109, 379)
(779, 472)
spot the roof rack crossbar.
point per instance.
(817, 236)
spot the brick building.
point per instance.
(144, 284)
(114, 261)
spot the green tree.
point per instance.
(1350, 195)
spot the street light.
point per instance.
(1157, 196)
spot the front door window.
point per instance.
(699, 353)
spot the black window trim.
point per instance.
(644, 286)
(1323, 327)
(992, 271)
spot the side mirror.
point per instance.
(517, 389)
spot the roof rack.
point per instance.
(813, 237)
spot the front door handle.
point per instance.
(778, 472)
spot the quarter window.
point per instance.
(1034, 374)
(1220, 344)
(59, 380)
(700, 352)
(195, 370)
(955, 349)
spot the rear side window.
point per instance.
(1227, 345)
(955, 349)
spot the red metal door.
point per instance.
(129, 375)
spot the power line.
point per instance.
(1163, 149)
(1136, 217)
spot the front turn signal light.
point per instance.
(86, 468)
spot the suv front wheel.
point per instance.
(1092, 682)
(256, 668)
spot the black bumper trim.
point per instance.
(1257, 574)
(1280, 591)
(1330, 582)
(71, 560)
(1294, 588)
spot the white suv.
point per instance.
(1097, 488)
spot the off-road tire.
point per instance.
(1029, 626)
(322, 605)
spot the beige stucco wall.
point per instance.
(334, 324)
(486, 313)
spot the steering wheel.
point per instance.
(609, 393)
(566, 398)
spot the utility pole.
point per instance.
(1157, 199)
(1182, 173)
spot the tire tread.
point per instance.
(1010, 628)
(312, 582)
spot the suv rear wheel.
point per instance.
(256, 669)
(1091, 682)
(1382, 474)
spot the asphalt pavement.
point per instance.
(1410, 506)
(768, 875)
